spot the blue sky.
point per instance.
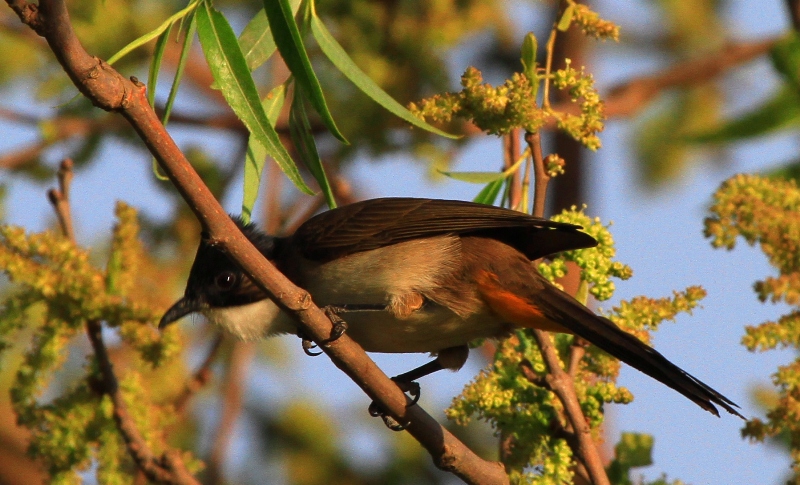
(659, 234)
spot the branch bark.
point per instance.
(558, 380)
(109, 90)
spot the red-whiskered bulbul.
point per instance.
(421, 275)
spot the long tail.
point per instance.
(544, 304)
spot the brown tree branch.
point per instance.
(233, 390)
(200, 377)
(794, 13)
(628, 98)
(108, 90)
(557, 379)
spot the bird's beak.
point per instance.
(181, 308)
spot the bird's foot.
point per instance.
(339, 328)
(413, 391)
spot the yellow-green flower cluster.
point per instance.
(496, 110)
(592, 25)
(643, 314)
(766, 212)
(596, 264)
(57, 292)
(554, 165)
(583, 128)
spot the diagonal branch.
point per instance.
(109, 90)
(628, 98)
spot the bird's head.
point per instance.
(215, 281)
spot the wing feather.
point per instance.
(377, 223)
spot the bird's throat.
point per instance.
(252, 321)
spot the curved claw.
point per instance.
(391, 423)
(339, 325)
(307, 346)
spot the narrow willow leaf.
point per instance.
(256, 38)
(287, 37)
(221, 49)
(475, 177)
(256, 153)
(528, 59)
(782, 111)
(176, 81)
(153, 33)
(486, 177)
(337, 55)
(303, 139)
(785, 57)
(155, 65)
(152, 82)
(488, 194)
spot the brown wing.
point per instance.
(376, 223)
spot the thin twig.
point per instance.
(167, 469)
(108, 90)
(557, 379)
(511, 144)
(201, 376)
(233, 390)
(540, 176)
(551, 42)
(59, 198)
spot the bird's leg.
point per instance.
(339, 325)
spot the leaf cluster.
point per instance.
(58, 291)
(766, 212)
(499, 110)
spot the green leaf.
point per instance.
(256, 39)
(782, 111)
(229, 68)
(785, 56)
(176, 81)
(337, 55)
(256, 154)
(155, 65)
(488, 194)
(475, 177)
(153, 33)
(566, 19)
(303, 139)
(528, 59)
(486, 177)
(788, 171)
(633, 450)
(287, 37)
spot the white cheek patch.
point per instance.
(253, 321)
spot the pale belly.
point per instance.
(429, 329)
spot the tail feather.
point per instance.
(602, 332)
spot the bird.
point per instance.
(410, 275)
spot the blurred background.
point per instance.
(270, 414)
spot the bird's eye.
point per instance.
(225, 280)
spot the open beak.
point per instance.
(181, 308)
